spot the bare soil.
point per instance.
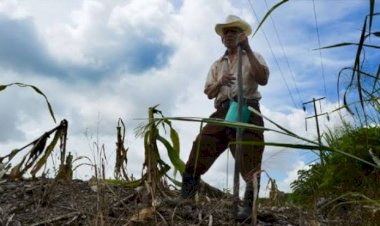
(76, 202)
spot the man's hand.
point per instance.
(212, 90)
(243, 42)
(227, 80)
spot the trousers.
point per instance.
(214, 139)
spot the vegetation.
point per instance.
(342, 174)
(38, 154)
(343, 182)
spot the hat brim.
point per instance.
(239, 24)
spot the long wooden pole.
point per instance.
(239, 135)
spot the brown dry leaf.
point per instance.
(13, 153)
(144, 214)
(15, 172)
(42, 161)
(314, 223)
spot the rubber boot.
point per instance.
(190, 186)
(245, 211)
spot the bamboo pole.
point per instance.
(239, 135)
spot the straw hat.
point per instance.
(233, 21)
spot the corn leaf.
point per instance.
(175, 140)
(39, 146)
(219, 122)
(42, 161)
(267, 15)
(133, 184)
(173, 154)
(285, 145)
(284, 132)
(2, 87)
(347, 44)
(309, 147)
(35, 152)
(48, 104)
(11, 155)
(175, 182)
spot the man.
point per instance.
(221, 85)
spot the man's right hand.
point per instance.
(227, 80)
(212, 90)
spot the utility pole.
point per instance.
(316, 115)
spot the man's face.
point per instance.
(231, 36)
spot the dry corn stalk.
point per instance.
(37, 156)
(121, 153)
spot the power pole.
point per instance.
(316, 115)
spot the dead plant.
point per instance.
(37, 156)
(121, 153)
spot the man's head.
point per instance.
(231, 30)
(233, 21)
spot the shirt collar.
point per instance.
(224, 57)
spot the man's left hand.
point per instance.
(244, 42)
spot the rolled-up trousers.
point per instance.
(214, 140)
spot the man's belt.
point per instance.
(226, 103)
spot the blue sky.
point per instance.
(99, 61)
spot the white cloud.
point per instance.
(141, 16)
(292, 175)
(74, 40)
(13, 9)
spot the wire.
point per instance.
(319, 47)
(274, 56)
(284, 53)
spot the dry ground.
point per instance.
(50, 202)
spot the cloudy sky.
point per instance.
(98, 61)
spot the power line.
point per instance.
(274, 56)
(319, 47)
(284, 53)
